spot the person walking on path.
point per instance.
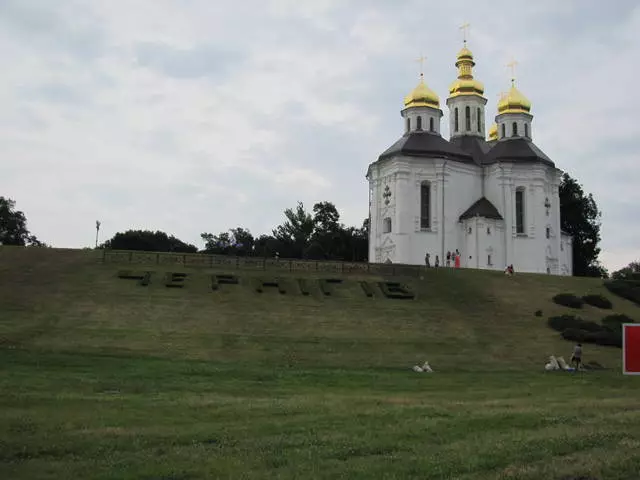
(576, 357)
(427, 260)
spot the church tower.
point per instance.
(514, 113)
(466, 100)
(422, 109)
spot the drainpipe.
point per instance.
(442, 224)
(504, 213)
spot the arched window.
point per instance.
(425, 205)
(520, 211)
(504, 130)
(514, 127)
(526, 130)
(431, 124)
(408, 124)
(386, 225)
(479, 120)
(419, 124)
(467, 118)
(456, 119)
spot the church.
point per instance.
(491, 196)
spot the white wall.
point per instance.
(461, 102)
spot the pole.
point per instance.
(97, 231)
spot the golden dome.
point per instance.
(422, 96)
(465, 83)
(514, 102)
(493, 132)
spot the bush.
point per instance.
(538, 313)
(568, 300)
(175, 279)
(603, 337)
(396, 290)
(304, 289)
(614, 322)
(564, 322)
(598, 301)
(324, 286)
(627, 289)
(368, 291)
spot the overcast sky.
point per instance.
(200, 115)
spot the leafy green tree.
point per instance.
(296, 231)
(580, 217)
(630, 272)
(149, 241)
(237, 241)
(13, 226)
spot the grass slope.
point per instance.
(102, 378)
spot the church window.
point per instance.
(419, 124)
(408, 124)
(514, 126)
(548, 232)
(526, 130)
(386, 225)
(489, 260)
(488, 230)
(520, 211)
(479, 121)
(504, 130)
(425, 205)
(467, 118)
(456, 119)
(548, 270)
(431, 124)
(470, 231)
(562, 246)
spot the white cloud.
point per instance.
(195, 115)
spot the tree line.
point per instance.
(320, 235)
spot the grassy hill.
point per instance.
(104, 378)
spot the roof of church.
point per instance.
(476, 146)
(482, 208)
(518, 150)
(426, 144)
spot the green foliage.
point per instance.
(238, 241)
(13, 226)
(568, 300)
(324, 286)
(538, 313)
(630, 272)
(396, 290)
(144, 278)
(214, 283)
(296, 230)
(614, 322)
(367, 289)
(578, 330)
(270, 283)
(627, 289)
(175, 279)
(598, 301)
(148, 241)
(304, 288)
(580, 218)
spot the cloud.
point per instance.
(191, 116)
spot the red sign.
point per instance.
(631, 348)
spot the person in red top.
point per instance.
(457, 260)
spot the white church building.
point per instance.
(493, 199)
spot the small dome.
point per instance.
(514, 102)
(465, 54)
(422, 96)
(466, 86)
(493, 132)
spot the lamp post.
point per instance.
(97, 231)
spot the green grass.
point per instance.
(103, 378)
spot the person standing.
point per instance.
(448, 259)
(437, 261)
(427, 260)
(576, 357)
(457, 259)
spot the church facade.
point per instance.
(492, 196)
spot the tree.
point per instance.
(580, 218)
(148, 241)
(295, 233)
(630, 272)
(13, 226)
(238, 241)
(328, 232)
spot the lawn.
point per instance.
(102, 378)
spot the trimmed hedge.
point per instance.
(175, 279)
(396, 290)
(368, 291)
(324, 286)
(598, 301)
(578, 330)
(627, 289)
(271, 283)
(614, 322)
(568, 300)
(304, 288)
(538, 313)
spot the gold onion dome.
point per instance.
(514, 102)
(422, 96)
(493, 132)
(465, 83)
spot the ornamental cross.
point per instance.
(512, 65)
(465, 29)
(421, 59)
(386, 195)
